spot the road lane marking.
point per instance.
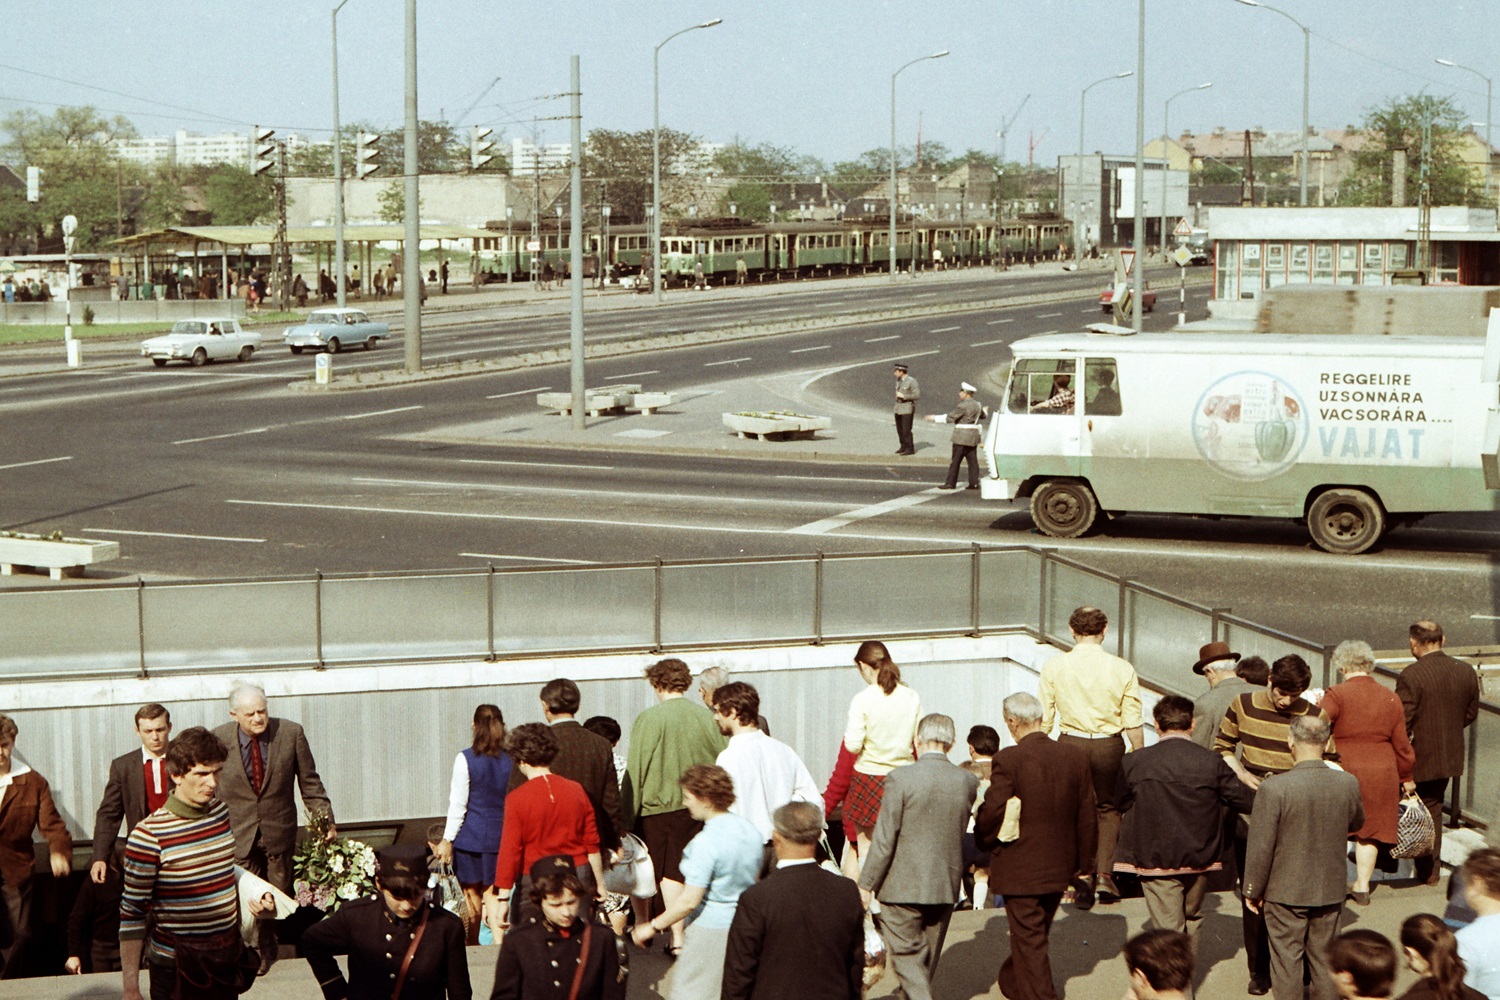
(804, 350)
(997, 322)
(989, 343)
(380, 413)
(945, 329)
(828, 524)
(40, 461)
(654, 371)
(847, 479)
(519, 392)
(220, 437)
(731, 361)
(824, 373)
(534, 465)
(876, 340)
(172, 534)
(536, 559)
(528, 518)
(1048, 315)
(574, 491)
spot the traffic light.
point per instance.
(33, 183)
(366, 154)
(479, 147)
(263, 151)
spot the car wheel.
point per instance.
(245, 352)
(1345, 522)
(1063, 509)
(159, 362)
(333, 345)
(296, 350)
(371, 342)
(199, 358)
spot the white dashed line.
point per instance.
(172, 534)
(945, 329)
(220, 437)
(1048, 315)
(40, 461)
(731, 361)
(519, 392)
(828, 524)
(804, 350)
(876, 340)
(380, 413)
(534, 465)
(988, 343)
(654, 371)
(997, 322)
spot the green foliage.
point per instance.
(623, 159)
(764, 162)
(233, 197)
(1399, 124)
(752, 202)
(73, 146)
(392, 200)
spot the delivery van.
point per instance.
(1350, 435)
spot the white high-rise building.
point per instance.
(189, 149)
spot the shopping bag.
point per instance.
(1414, 830)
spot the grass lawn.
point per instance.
(42, 333)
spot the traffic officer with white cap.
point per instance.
(965, 418)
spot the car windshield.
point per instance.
(323, 317)
(193, 326)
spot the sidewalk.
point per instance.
(1085, 955)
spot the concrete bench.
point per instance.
(60, 557)
(598, 401)
(776, 425)
(649, 402)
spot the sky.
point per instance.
(813, 75)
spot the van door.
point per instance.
(1043, 420)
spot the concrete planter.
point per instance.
(606, 399)
(64, 557)
(776, 425)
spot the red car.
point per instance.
(1107, 299)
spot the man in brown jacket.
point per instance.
(1441, 697)
(1058, 836)
(25, 805)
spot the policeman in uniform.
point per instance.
(396, 940)
(907, 394)
(558, 955)
(965, 419)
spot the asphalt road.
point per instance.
(223, 472)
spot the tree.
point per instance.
(233, 197)
(764, 162)
(1399, 124)
(624, 160)
(751, 201)
(392, 200)
(74, 146)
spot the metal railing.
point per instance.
(329, 621)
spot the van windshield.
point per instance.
(1041, 385)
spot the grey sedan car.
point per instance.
(332, 330)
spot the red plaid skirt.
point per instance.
(862, 804)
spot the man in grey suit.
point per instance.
(1441, 698)
(916, 857)
(1295, 864)
(138, 785)
(1217, 666)
(266, 757)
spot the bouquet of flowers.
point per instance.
(328, 873)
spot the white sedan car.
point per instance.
(199, 341)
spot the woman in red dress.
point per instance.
(1369, 729)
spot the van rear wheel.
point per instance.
(1345, 522)
(1063, 509)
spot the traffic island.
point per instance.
(776, 425)
(606, 399)
(57, 555)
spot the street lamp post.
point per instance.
(892, 213)
(1488, 117)
(656, 154)
(1166, 133)
(338, 165)
(510, 247)
(1078, 166)
(604, 252)
(1306, 84)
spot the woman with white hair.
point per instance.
(1369, 729)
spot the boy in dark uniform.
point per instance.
(396, 941)
(558, 955)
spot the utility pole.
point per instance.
(575, 205)
(280, 251)
(411, 245)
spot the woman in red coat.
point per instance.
(1369, 729)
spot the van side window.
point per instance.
(1041, 385)
(1101, 388)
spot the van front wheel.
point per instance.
(1063, 509)
(1345, 522)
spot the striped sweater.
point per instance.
(1254, 725)
(179, 867)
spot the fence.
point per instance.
(328, 621)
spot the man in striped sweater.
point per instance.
(179, 871)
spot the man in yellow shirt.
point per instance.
(1094, 698)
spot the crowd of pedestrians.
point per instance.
(713, 837)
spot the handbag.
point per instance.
(633, 873)
(1415, 833)
(874, 954)
(452, 894)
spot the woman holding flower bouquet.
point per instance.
(476, 810)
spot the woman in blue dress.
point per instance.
(476, 811)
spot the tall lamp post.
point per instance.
(1488, 117)
(892, 213)
(1166, 132)
(1306, 78)
(656, 154)
(338, 165)
(1078, 166)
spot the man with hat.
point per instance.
(965, 419)
(560, 954)
(907, 394)
(398, 942)
(1216, 665)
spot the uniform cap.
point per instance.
(900, 366)
(552, 865)
(966, 387)
(402, 863)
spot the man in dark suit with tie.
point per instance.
(916, 858)
(799, 932)
(269, 761)
(138, 785)
(1058, 835)
(1441, 697)
(584, 757)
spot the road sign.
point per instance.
(1127, 259)
(1182, 255)
(69, 224)
(533, 246)
(323, 369)
(1183, 228)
